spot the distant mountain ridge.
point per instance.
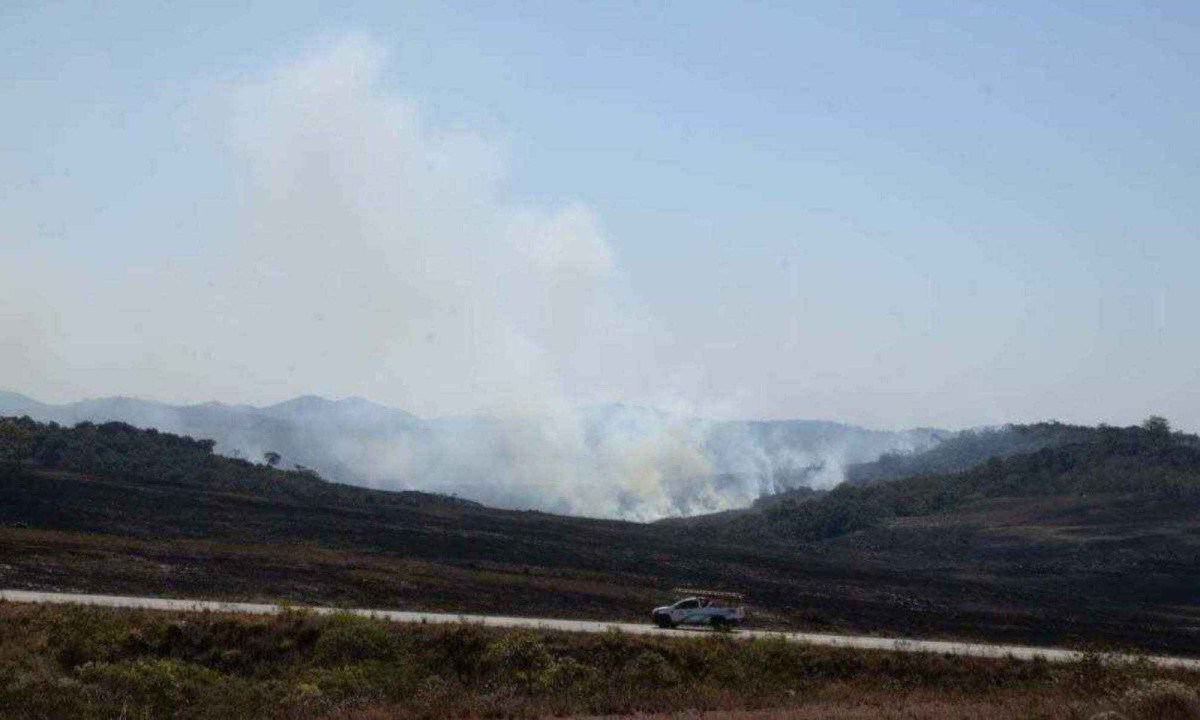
(610, 460)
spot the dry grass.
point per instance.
(59, 662)
(888, 705)
(1162, 699)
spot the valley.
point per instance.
(1089, 556)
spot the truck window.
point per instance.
(687, 604)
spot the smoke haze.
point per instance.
(303, 227)
(372, 250)
(365, 249)
(604, 461)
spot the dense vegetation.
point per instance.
(968, 448)
(97, 663)
(1147, 459)
(1036, 460)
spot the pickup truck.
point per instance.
(715, 609)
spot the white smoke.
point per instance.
(372, 251)
(389, 239)
(616, 461)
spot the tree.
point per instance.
(272, 458)
(16, 439)
(1156, 425)
(1158, 431)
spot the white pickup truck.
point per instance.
(718, 609)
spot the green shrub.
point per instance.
(41, 695)
(84, 634)
(568, 674)
(160, 685)
(520, 660)
(649, 669)
(348, 683)
(457, 649)
(240, 646)
(347, 638)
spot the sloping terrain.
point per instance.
(1095, 544)
(1105, 522)
(576, 462)
(966, 449)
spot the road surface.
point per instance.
(592, 626)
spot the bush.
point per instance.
(160, 685)
(1162, 700)
(457, 648)
(651, 670)
(349, 638)
(245, 647)
(41, 695)
(85, 634)
(521, 660)
(569, 674)
(364, 681)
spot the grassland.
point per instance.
(104, 663)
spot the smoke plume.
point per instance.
(367, 250)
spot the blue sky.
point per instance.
(891, 214)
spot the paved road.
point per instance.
(592, 626)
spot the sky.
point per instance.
(895, 215)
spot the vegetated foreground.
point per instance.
(1091, 540)
(62, 661)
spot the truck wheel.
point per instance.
(718, 623)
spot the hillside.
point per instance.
(1094, 542)
(1110, 517)
(1069, 461)
(572, 463)
(966, 449)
